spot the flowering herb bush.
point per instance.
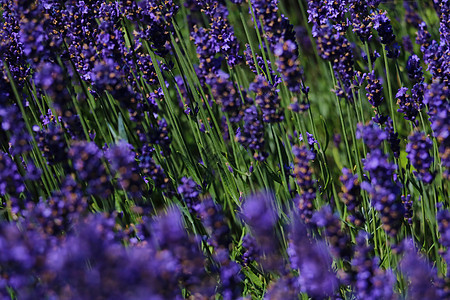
(181, 149)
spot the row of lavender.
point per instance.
(156, 150)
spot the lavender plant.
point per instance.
(181, 149)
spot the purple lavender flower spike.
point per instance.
(338, 239)
(384, 191)
(382, 24)
(10, 180)
(313, 260)
(351, 196)
(409, 212)
(408, 106)
(371, 134)
(374, 90)
(267, 99)
(419, 273)
(226, 96)
(150, 170)
(259, 212)
(436, 97)
(122, 160)
(303, 175)
(418, 150)
(289, 65)
(252, 134)
(52, 143)
(370, 281)
(190, 192)
(414, 69)
(87, 162)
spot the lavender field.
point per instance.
(224, 149)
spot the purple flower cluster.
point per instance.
(333, 46)
(384, 191)
(289, 65)
(260, 214)
(382, 24)
(374, 90)
(226, 96)
(123, 163)
(351, 196)
(418, 150)
(437, 98)
(340, 242)
(303, 174)
(370, 281)
(252, 134)
(87, 160)
(267, 99)
(313, 261)
(190, 191)
(408, 105)
(419, 273)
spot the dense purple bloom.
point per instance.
(384, 191)
(419, 273)
(351, 196)
(370, 281)
(62, 210)
(323, 11)
(414, 69)
(155, 23)
(150, 170)
(382, 24)
(408, 106)
(52, 143)
(418, 150)
(226, 96)
(284, 288)
(10, 180)
(216, 224)
(313, 260)
(209, 64)
(251, 135)
(260, 214)
(87, 162)
(437, 98)
(374, 90)
(423, 37)
(409, 212)
(190, 191)
(275, 28)
(230, 278)
(159, 135)
(51, 78)
(23, 257)
(122, 160)
(250, 251)
(372, 134)
(267, 99)
(339, 241)
(10, 45)
(289, 65)
(392, 139)
(334, 47)
(361, 19)
(13, 124)
(303, 175)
